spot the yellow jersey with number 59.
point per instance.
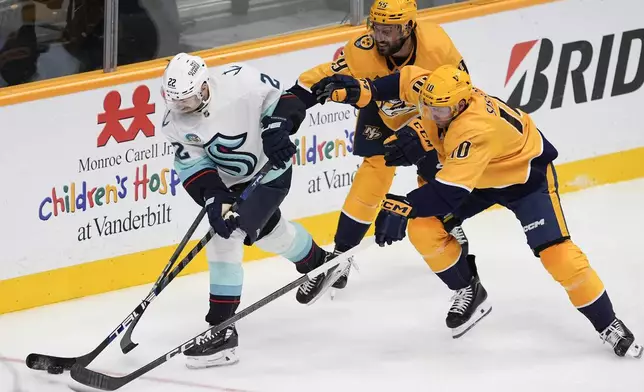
(360, 59)
(488, 145)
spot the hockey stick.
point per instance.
(108, 383)
(127, 344)
(43, 362)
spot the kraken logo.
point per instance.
(222, 150)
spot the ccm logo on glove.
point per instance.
(396, 207)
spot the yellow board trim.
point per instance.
(141, 268)
(242, 52)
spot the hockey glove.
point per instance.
(404, 148)
(277, 145)
(408, 145)
(399, 152)
(223, 221)
(428, 166)
(344, 89)
(391, 222)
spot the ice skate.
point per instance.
(469, 306)
(219, 351)
(310, 289)
(344, 278)
(622, 340)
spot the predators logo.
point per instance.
(371, 132)
(365, 42)
(395, 108)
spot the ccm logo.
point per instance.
(534, 225)
(397, 208)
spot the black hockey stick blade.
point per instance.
(109, 383)
(43, 361)
(38, 361)
(127, 344)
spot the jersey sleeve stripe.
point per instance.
(193, 178)
(188, 170)
(453, 184)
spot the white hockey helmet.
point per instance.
(183, 83)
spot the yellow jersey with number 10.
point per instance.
(488, 145)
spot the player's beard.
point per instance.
(387, 49)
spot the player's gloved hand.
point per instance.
(391, 222)
(404, 148)
(428, 166)
(222, 220)
(278, 147)
(344, 89)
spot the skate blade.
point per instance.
(334, 290)
(224, 358)
(483, 310)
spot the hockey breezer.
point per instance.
(109, 383)
(43, 362)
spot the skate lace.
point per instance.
(459, 234)
(305, 288)
(613, 333)
(229, 332)
(462, 299)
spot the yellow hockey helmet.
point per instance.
(393, 12)
(443, 90)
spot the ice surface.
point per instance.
(386, 331)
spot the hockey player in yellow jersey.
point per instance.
(489, 153)
(393, 39)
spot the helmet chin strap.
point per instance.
(204, 103)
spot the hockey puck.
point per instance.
(55, 369)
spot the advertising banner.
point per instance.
(92, 177)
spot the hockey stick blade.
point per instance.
(108, 383)
(38, 361)
(42, 361)
(127, 344)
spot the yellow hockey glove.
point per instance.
(344, 89)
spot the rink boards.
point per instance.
(91, 202)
